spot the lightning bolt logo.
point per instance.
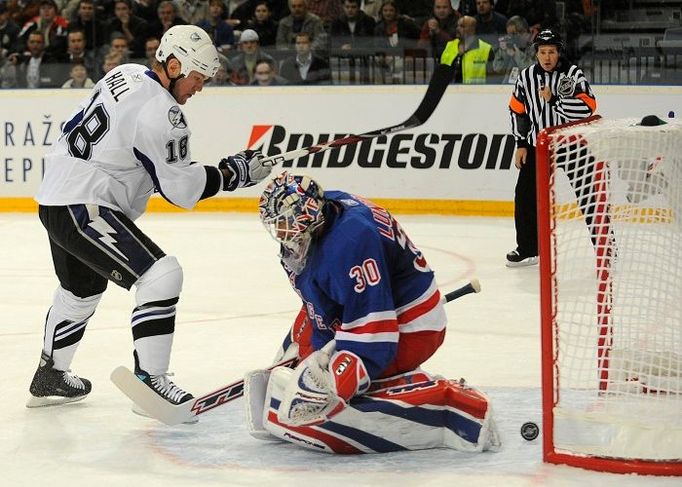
(105, 230)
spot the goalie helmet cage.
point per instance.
(609, 224)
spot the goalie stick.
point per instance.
(441, 78)
(173, 414)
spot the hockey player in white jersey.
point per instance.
(125, 141)
(371, 315)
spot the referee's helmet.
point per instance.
(548, 37)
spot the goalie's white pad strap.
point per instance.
(255, 387)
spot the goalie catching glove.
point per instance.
(247, 169)
(320, 387)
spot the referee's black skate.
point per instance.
(50, 386)
(516, 259)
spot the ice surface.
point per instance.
(235, 308)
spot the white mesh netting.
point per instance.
(616, 273)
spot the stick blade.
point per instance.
(153, 404)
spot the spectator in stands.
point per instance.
(36, 68)
(489, 24)
(146, 9)
(76, 53)
(440, 29)
(217, 27)
(471, 56)
(86, 20)
(418, 10)
(327, 10)
(134, 28)
(371, 8)
(515, 51)
(244, 64)
(21, 11)
(467, 7)
(150, 47)
(119, 45)
(67, 8)
(305, 68)
(264, 24)
(540, 14)
(52, 26)
(167, 17)
(9, 33)
(193, 11)
(393, 29)
(8, 73)
(266, 74)
(353, 29)
(239, 12)
(300, 20)
(111, 60)
(223, 75)
(78, 77)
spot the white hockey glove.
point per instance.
(247, 169)
(320, 387)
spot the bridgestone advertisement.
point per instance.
(463, 153)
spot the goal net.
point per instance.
(610, 230)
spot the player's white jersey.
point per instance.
(127, 139)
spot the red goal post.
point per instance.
(609, 196)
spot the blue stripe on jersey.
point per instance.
(68, 126)
(149, 167)
(463, 427)
(368, 440)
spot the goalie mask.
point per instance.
(291, 210)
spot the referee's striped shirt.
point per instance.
(572, 99)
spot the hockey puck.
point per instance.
(529, 431)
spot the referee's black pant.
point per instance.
(525, 208)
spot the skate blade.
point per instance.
(141, 412)
(528, 261)
(39, 402)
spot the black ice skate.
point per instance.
(51, 386)
(515, 259)
(164, 387)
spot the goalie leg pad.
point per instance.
(255, 390)
(431, 414)
(462, 414)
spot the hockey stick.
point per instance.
(171, 414)
(441, 78)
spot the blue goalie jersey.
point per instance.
(368, 287)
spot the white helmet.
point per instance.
(192, 46)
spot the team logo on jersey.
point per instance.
(137, 77)
(176, 118)
(566, 86)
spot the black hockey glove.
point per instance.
(247, 169)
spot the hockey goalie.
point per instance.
(371, 315)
